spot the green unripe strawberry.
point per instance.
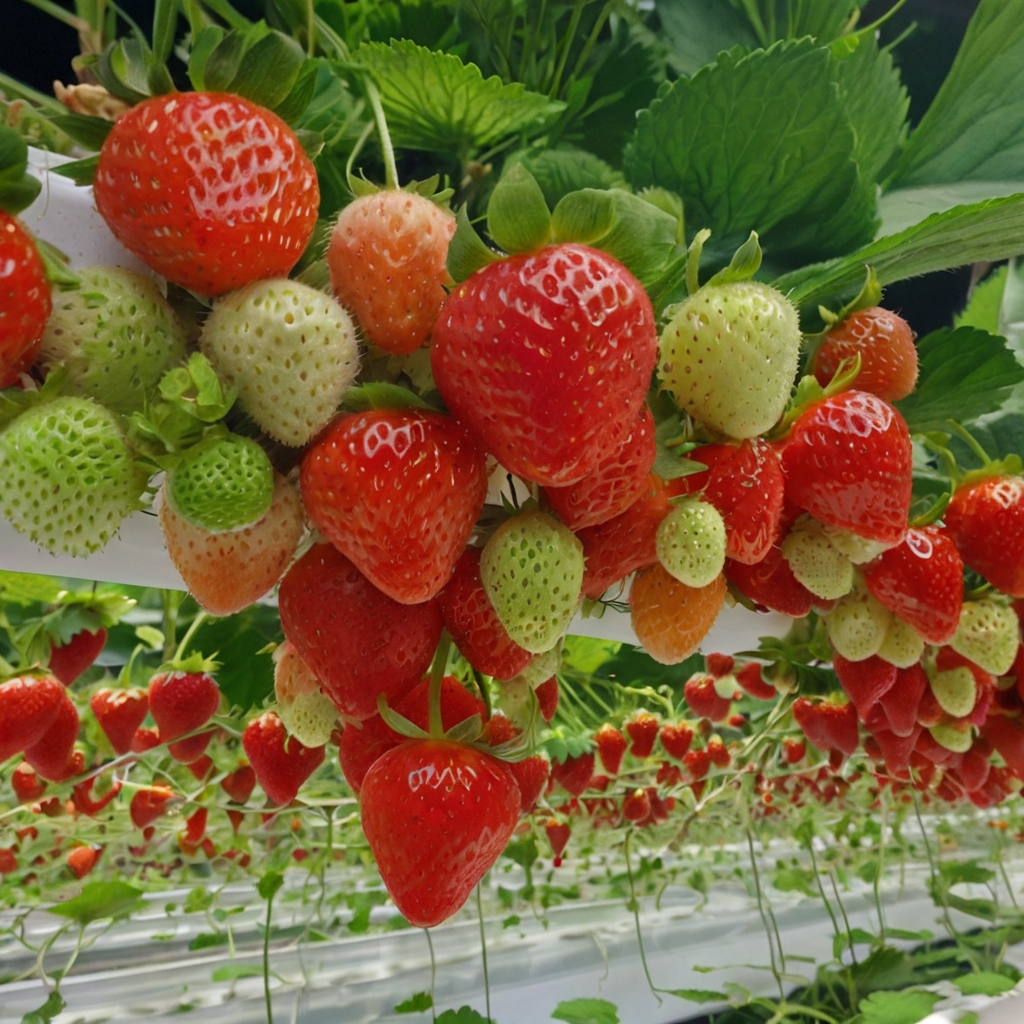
(116, 335)
(532, 572)
(289, 349)
(902, 646)
(859, 550)
(729, 356)
(690, 543)
(69, 475)
(824, 570)
(957, 737)
(857, 626)
(955, 690)
(222, 483)
(988, 635)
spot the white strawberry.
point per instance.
(691, 541)
(988, 635)
(824, 570)
(301, 705)
(857, 626)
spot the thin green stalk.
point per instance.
(61, 14)
(764, 919)
(821, 888)
(386, 148)
(15, 90)
(483, 950)
(634, 905)
(266, 963)
(595, 32)
(933, 867)
(842, 910)
(194, 625)
(433, 972)
(435, 725)
(1006, 879)
(570, 34)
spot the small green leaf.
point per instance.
(232, 972)
(203, 46)
(269, 884)
(463, 1015)
(791, 879)
(584, 216)
(984, 983)
(561, 171)
(81, 172)
(904, 1007)
(100, 901)
(982, 310)
(963, 374)
(522, 851)
(86, 131)
(586, 1011)
(44, 1015)
(924, 935)
(699, 995)
(518, 218)
(208, 940)
(743, 266)
(152, 637)
(419, 1003)
(467, 252)
(511, 921)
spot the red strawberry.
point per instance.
(574, 773)
(52, 754)
(547, 698)
(558, 833)
(82, 859)
(1007, 737)
(398, 491)
(28, 706)
(148, 804)
(676, 739)
(190, 181)
(86, 802)
(531, 775)
(718, 752)
(358, 641)
(239, 784)
(902, 700)
(848, 462)
(68, 661)
(704, 700)
(281, 763)
(568, 314)
(145, 739)
(615, 483)
(865, 682)
(793, 751)
(611, 747)
(745, 484)
(771, 584)
(120, 713)
(474, 625)
(26, 784)
(985, 519)
(698, 763)
(896, 750)
(642, 729)
(25, 302)
(8, 860)
(751, 681)
(636, 805)
(181, 702)
(387, 259)
(437, 815)
(827, 725)
(885, 344)
(921, 581)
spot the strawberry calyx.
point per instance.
(870, 295)
(18, 188)
(809, 392)
(15, 401)
(383, 395)
(193, 663)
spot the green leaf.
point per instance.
(954, 872)
(27, 588)
(963, 374)
(18, 188)
(905, 207)
(463, 1015)
(984, 983)
(564, 170)
(419, 1003)
(522, 851)
(885, 968)
(86, 131)
(269, 884)
(697, 31)
(269, 70)
(586, 1011)
(988, 231)
(245, 678)
(905, 1007)
(99, 901)
(81, 172)
(790, 879)
(54, 1004)
(203, 46)
(435, 102)
(1011, 308)
(699, 995)
(232, 972)
(209, 940)
(924, 935)
(518, 218)
(974, 128)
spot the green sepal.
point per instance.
(518, 218)
(870, 295)
(745, 263)
(399, 723)
(693, 254)
(560, 747)
(203, 45)
(466, 731)
(194, 662)
(196, 389)
(584, 216)
(15, 401)
(124, 69)
(18, 188)
(933, 512)
(81, 172)
(671, 447)
(312, 142)
(165, 24)
(89, 132)
(808, 392)
(382, 395)
(467, 251)
(55, 263)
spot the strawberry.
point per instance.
(669, 618)
(636, 805)
(27, 786)
(68, 661)
(985, 519)
(70, 477)
(988, 634)
(281, 763)
(289, 349)
(642, 729)
(307, 714)
(116, 335)
(720, 665)
(1007, 737)
(437, 815)
(622, 545)
(865, 682)
(8, 860)
(28, 707)
(885, 343)
(358, 641)
(825, 571)
(615, 483)
(921, 581)
(225, 482)
(793, 750)
(87, 801)
(82, 859)
(902, 646)
(239, 784)
(900, 702)
(398, 491)
(771, 584)
(148, 804)
(145, 739)
(857, 626)
(362, 743)
(896, 750)
(611, 747)
(746, 485)
(119, 713)
(532, 571)
(531, 775)
(474, 625)
(227, 571)
(547, 698)
(691, 542)
(209, 190)
(558, 833)
(704, 699)
(569, 314)
(718, 752)
(52, 754)
(676, 738)
(729, 356)
(388, 263)
(574, 773)
(751, 681)
(828, 726)
(698, 763)
(181, 702)
(955, 689)
(848, 462)
(24, 300)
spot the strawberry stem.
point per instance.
(435, 726)
(200, 618)
(693, 261)
(483, 950)
(387, 150)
